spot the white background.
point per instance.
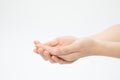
(23, 21)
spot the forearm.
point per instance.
(110, 34)
(104, 48)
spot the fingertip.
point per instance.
(40, 50)
(36, 41)
(53, 57)
(45, 53)
(34, 50)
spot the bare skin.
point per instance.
(110, 34)
(68, 49)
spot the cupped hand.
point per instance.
(56, 43)
(65, 49)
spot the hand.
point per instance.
(67, 48)
(58, 42)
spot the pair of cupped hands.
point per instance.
(65, 49)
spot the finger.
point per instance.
(60, 61)
(48, 56)
(40, 50)
(35, 50)
(61, 50)
(52, 43)
(45, 55)
(57, 51)
(52, 50)
(37, 44)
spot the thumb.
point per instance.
(74, 47)
(52, 43)
(65, 50)
(52, 50)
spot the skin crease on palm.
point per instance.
(67, 49)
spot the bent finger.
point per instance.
(60, 61)
(52, 43)
(48, 56)
(41, 53)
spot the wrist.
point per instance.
(89, 46)
(94, 48)
(99, 48)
